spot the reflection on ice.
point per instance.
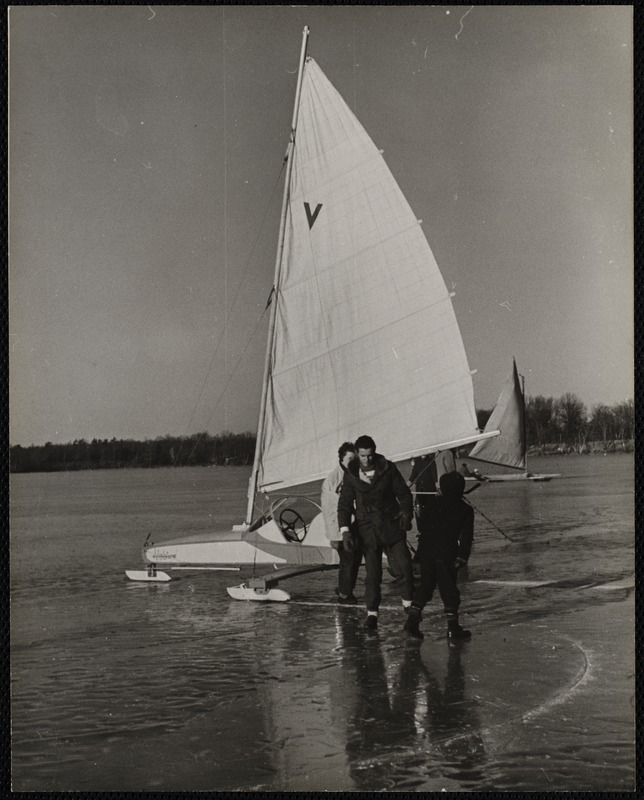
(411, 726)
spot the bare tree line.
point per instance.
(201, 449)
(564, 424)
(553, 425)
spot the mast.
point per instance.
(252, 486)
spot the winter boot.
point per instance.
(413, 620)
(455, 632)
(347, 601)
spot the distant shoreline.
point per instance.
(585, 448)
(616, 447)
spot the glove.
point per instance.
(347, 541)
(460, 563)
(403, 521)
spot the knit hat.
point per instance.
(452, 485)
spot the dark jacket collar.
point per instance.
(380, 463)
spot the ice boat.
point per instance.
(362, 338)
(509, 449)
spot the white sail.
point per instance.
(362, 339)
(509, 448)
(366, 340)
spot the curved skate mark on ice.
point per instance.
(581, 678)
(335, 604)
(622, 583)
(514, 583)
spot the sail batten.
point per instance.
(366, 337)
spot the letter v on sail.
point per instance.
(311, 216)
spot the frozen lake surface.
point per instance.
(118, 686)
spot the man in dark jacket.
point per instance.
(376, 493)
(446, 526)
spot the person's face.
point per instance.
(366, 457)
(347, 458)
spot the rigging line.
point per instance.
(493, 524)
(232, 305)
(422, 471)
(240, 284)
(230, 377)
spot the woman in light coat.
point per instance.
(349, 546)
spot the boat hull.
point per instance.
(509, 478)
(267, 545)
(512, 478)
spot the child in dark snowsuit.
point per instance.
(446, 526)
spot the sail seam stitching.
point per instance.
(329, 352)
(364, 251)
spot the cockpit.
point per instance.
(292, 514)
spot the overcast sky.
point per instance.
(146, 144)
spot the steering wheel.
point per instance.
(288, 519)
